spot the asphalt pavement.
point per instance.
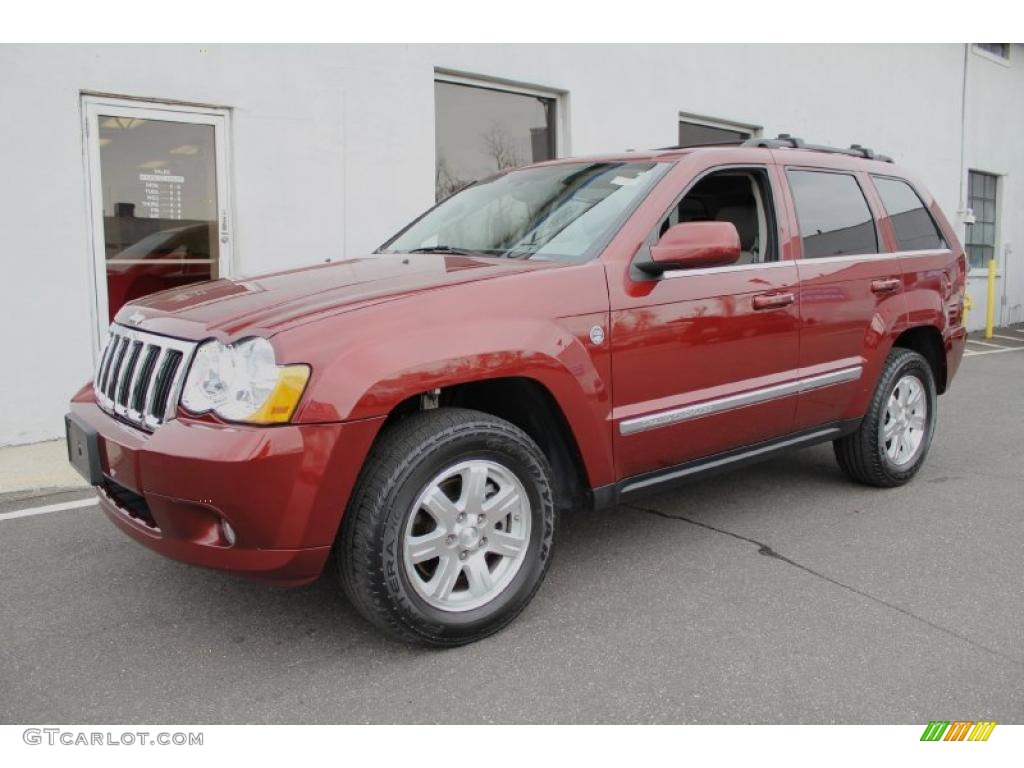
(780, 593)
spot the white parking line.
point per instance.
(1007, 338)
(971, 353)
(30, 511)
(985, 344)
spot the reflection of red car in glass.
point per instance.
(165, 259)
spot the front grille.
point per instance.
(140, 375)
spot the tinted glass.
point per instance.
(562, 212)
(834, 216)
(159, 205)
(479, 131)
(915, 230)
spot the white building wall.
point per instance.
(332, 149)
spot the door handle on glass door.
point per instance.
(889, 285)
(773, 300)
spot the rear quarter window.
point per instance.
(914, 227)
(833, 214)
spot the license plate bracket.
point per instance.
(83, 449)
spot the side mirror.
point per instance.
(696, 244)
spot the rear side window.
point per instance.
(914, 226)
(834, 216)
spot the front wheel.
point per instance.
(890, 445)
(450, 530)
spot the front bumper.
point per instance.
(282, 490)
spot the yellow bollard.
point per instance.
(990, 310)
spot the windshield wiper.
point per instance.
(446, 249)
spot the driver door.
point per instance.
(704, 358)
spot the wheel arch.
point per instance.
(926, 340)
(528, 404)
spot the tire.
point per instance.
(866, 455)
(397, 515)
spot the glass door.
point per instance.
(158, 199)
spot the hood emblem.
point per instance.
(136, 318)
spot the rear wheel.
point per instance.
(450, 531)
(892, 441)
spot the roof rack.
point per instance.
(785, 141)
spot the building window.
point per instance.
(981, 235)
(1000, 50)
(913, 226)
(833, 215)
(482, 129)
(694, 131)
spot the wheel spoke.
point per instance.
(505, 544)
(905, 446)
(441, 508)
(479, 576)
(474, 486)
(503, 502)
(916, 420)
(428, 546)
(443, 582)
(889, 430)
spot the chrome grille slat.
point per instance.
(140, 376)
(115, 367)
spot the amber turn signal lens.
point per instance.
(280, 405)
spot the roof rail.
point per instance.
(785, 141)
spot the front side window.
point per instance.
(915, 229)
(479, 131)
(981, 235)
(833, 215)
(739, 196)
(563, 212)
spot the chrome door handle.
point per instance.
(889, 285)
(773, 300)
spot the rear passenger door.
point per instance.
(851, 292)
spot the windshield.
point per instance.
(565, 212)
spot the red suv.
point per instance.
(565, 335)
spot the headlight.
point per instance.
(243, 382)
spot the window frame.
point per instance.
(772, 219)
(93, 105)
(995, 58)
(560, 97)
(879, 240)
(752, 131)
(942, 235)
(997, 213)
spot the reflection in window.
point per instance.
(564, 211)
(914, 227)
(480, 131)
(981, 235)
(696, 134)
(834, 216)
(159, 205)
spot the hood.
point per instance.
(270, 303)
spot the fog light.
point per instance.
(227, 532)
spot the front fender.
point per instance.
(379, 357)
